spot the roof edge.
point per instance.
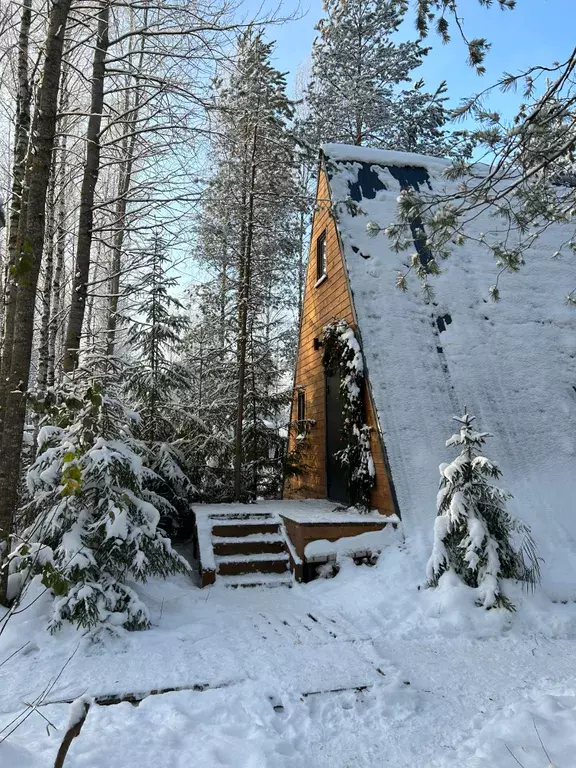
(351, 153)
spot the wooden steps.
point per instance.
(246, 549)
(236, 546)
(235, 529)
(254, 539)
(232, 565)
(257, 580)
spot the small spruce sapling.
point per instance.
(155, 381)
(473, 531)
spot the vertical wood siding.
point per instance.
(324, 303)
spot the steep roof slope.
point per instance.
(513, 363)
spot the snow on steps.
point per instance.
(234, 542)
(242, 516)
(257, 580)
(255, 558)
(248, 520)
(259, 537)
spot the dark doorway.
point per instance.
(336, 479)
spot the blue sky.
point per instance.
(537, 31)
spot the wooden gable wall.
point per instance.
(324, 302)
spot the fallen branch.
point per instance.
(78, 715)
(135, 697)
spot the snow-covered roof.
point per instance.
(348, 153)
(512, 363)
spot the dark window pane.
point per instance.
(419, 237)
(321, 256)
(301, 407)
(367, 184)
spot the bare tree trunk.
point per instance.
(57, 303)
(124, 182)
(116, 263)
(245, 280)
(89, 181)
(91, 320)
(31, 236)
(22, 128)
(56, 298)
(254, 414)
(61, 333)
(200, 371)
(3, 276)
(43, 350)
(223, 291)
(21, 134)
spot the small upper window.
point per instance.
(301, 411)
(301, 406)
(321, 255)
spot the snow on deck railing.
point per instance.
(369, 542)
(296, 559)
(205, 549)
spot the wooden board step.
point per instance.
(241, 517)
(257, 563)
(237, 528)
(257, 580)
(246, 545)
(245, 542)
(259, 537)
(255, 558)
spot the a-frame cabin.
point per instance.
(512, 363)
(327, 297)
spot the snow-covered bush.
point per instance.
(474, 535)
(169, 486)
(95, 523)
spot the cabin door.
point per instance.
(336, 480)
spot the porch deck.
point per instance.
(271, 542)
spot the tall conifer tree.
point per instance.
(249, 245)
(359, 91)
(155, 380)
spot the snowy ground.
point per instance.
(361, 670)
